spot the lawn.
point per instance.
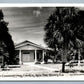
(42, 70)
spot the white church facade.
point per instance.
(29, 52)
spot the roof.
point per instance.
(26, 42)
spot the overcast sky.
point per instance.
(27, 23)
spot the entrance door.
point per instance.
(28, 58)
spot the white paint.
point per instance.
(20, 58)
(43, 57)
(28, 47)
(35, 56)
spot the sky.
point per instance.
(27, 23)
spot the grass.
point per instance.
(34, 71)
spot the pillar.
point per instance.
(35, 56)
(43, 56)
(20, 58)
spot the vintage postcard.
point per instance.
(42, 42)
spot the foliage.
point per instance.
(6, 42)
(60, 28)
(65, 29)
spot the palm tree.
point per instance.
(61, 30)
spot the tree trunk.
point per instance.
(63, 67)
(64, 59)
(55, 59)
(79, 57)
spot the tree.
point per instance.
(61, 30)
(7, 49)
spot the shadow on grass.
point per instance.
(82, 71)
(70, 71)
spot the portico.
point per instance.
(29, 52)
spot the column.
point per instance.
(20, 60)
(43, 56)
(35, 56)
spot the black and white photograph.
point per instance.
(42, 42)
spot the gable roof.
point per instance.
(26, 42)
